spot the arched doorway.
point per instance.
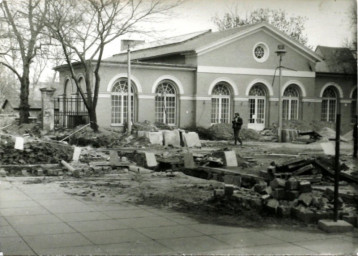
(220, 104)
(354, 106)
(257, 107)
(165, 103)
(329, 104)
(291, 103)
(119, 102)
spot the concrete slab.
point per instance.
(155, 138)
(338, 226)
(150, 159)
(191, 140)
(189, 160)
(230, 159)
(114, 158)
(171, 138)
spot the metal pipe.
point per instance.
(337, 167)
(129, 110)
(280, 103)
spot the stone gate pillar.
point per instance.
(48, 109)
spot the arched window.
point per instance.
(165, 103)
(257, 103)
(354, 106)
(329, 105)
(290, 103)
(119, 99)
(220, 104)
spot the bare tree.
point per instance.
(84, 28)
(25, 20)
(292, 26)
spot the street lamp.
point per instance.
(280, 52)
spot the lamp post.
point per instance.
(280, 52)
(129, 109)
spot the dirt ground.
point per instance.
(175, 190)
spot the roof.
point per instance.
(337, 60)
(204, 41)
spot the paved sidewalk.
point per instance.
(41, 219)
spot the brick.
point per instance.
(277, 183)
(189, 160)
(305, 198)
(284, 211)
(279, 193)
(305, 186)
(260, 187)
(292, 184)
(292, 195)
(272, 205)
(2, 172)
(232, 179)
(219, 192)
(229, 190)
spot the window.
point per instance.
(261, 52)
(165, 103)
(290, 103)
(329, 105)
(119, 99)
(354, 106)
(257, 98)
(220, 104)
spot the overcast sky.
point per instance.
(327, 22)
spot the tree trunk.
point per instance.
(24, 108)
(93, 119)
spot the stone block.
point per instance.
(284, 211)
(155, 138)
(142, 134)
(2, 172)
(232, 179)
(269, 191)
(306, 215)
(305, 198)
(277, 183)
(265, 197)
(305, 186)
(272, 205)
(292, 195)
(255, 203)
(230, 159)
(191, 140)
(150, 160)
(219, 192)
(171, 138)
(114, 158)
(292, 184)
(279, 193)
(189, 160)
(229, 190)
(40, 172)
(331, 226)
(351, 219)
(24, 172)
(76, 154)
(260, 187)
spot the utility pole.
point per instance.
(280, 52)
(129, 107)
(336, 165)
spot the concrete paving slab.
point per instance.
(171, 138)
(25, 211)
(191, 139)
(128, 214)
(115, 236)
(151, 161)
(155, 138)
(7, 231)
(35, 229)
(137, 248)
(297, 236)
(247, 239)
(17, 204)
(276, 249)
(169, 232)
(83, 216)
(181, 219)
(212, 229)
(14, 246)
(33, 219)
(230, 159)
(73, 250)
(3, 222)
(98, 225)
(190, 245)
(330, 246)
(155, 221)
(56, 241)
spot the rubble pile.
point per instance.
(299, 188)
(34, 152)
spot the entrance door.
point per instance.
(257, 114)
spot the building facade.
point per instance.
(203, 78)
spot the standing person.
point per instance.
(236, 125)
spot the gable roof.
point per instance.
(337, 60)
(206, 41)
